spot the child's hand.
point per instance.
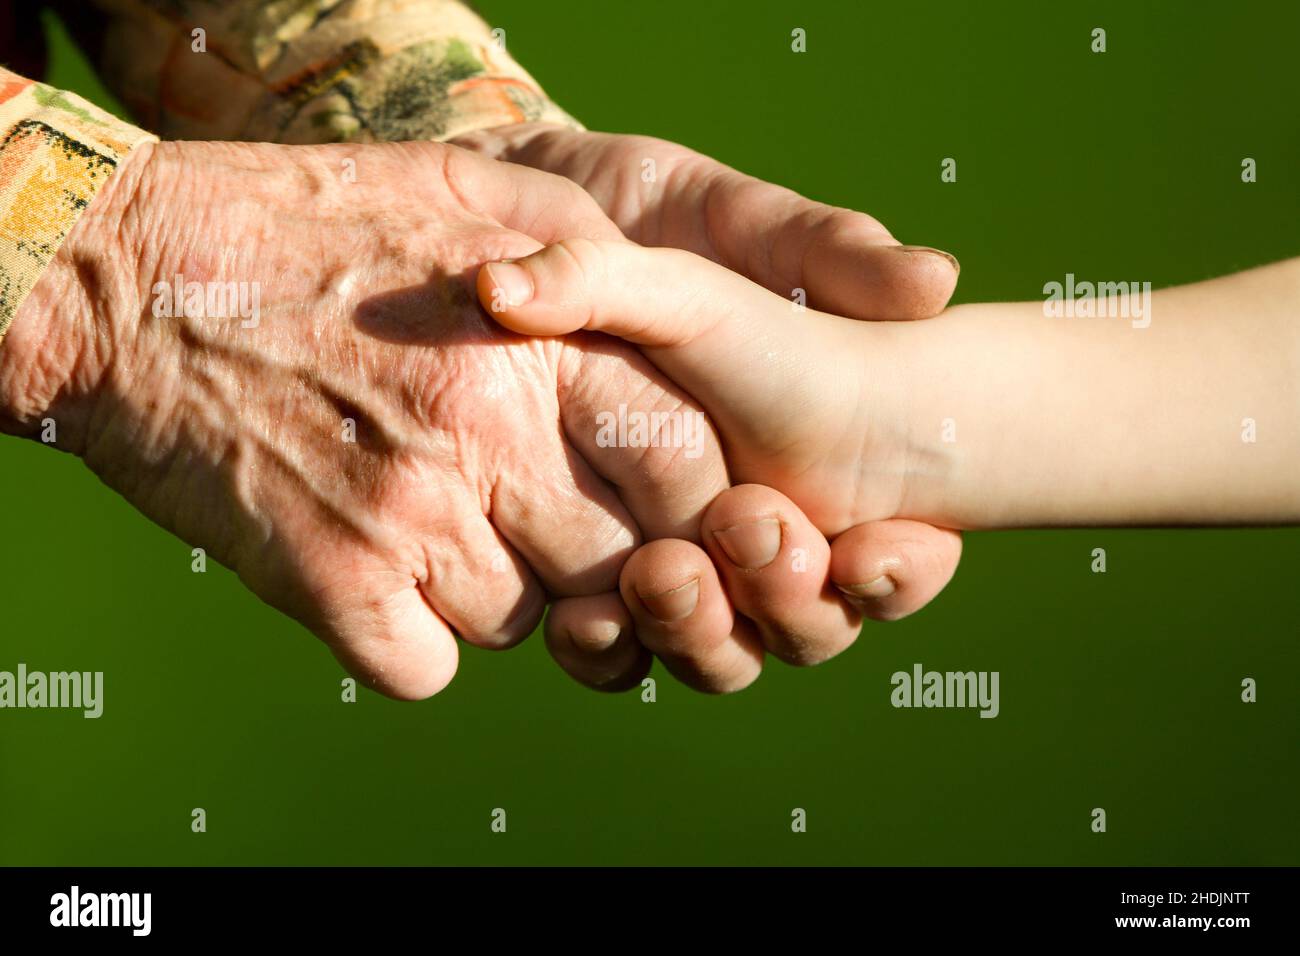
(1172, 408)
(795, 394)
(788, 390)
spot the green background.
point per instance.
(1119, 690)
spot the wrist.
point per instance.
(918, 418)
(887, 456)
(988, 442)
(64, 334)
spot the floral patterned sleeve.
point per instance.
(290, 71)
(315, 71)
(56, 151)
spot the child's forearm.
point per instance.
(1014, 418)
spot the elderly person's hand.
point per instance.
(352, 435)
(433, 71)
(661, 193)
(837, 260)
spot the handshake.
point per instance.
(703, 418)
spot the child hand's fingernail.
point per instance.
(881, 587)
(751, 544)
(511, 282)
(675, 604)
(928, 250)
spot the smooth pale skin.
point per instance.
(847, 263)
(1058, 421)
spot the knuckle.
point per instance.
(583, 258)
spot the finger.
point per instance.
(478, 584)
(563, 519)
(774, 566)
(682, 615)
(541, 205)
(383, 631)
(560, 150)
(592, 638)
(895, 567)
(658, 298)
(642, 434)
(686, 313)
(846, 261)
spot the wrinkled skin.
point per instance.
(473, 486)
(845, 261)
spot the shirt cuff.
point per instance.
(56, 152)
